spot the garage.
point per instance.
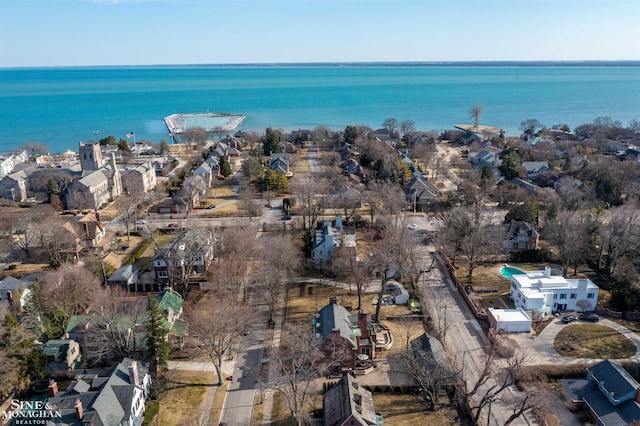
(509, 320)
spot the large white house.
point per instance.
(543, 292)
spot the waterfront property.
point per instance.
(540, 291)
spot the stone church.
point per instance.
(100, 183)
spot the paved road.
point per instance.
(464, 339)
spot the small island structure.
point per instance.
(211, 122)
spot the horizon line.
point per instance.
(532, 63)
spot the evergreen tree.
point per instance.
(164, 147)
(270, 142)
(225, 167)
(158, 349)
(19, 344)
(123, 146)
(510, 165)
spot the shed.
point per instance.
(509, 320)
(400, 296)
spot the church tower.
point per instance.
(90, 156)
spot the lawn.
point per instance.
(184, 400)
(410, 410)
(593, 341)
(302, 308)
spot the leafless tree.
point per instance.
(298, 362)
(194, 134)
(193, 189)
(126, 206)
(118, 323)
(311, 197)
(390, 124)
(248, 196)
(432, 377)
(9, 371)
(618, 236)
(473, 233)
(214, 327)
(406, 128)
(236, 258)
(569, 235)
(584, 305)
(58, 243)
(35, 149)
(26, 227)
(68, 291)
(475, 112)
(278, 258)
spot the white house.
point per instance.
(328, 239)
(543, 292)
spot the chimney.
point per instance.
(333, 300)
(53, 387)
(133, 373)
(9, 297)
(547, 271)
(97, 216)
(79, 410)
(338, 222)
(113, 161)
(638, 395)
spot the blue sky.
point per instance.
(147, 32)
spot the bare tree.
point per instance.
(431, 376)
(118, 323)
(194, 134)
(618, 235)
(127, 206)
(9, 371)
(406, 128)
(35, 149)
(298, 362)
(390, 124)
(279, 257)
(235, 266)
(214, 327)
(569, 235)
(473, 234)
(475, 112)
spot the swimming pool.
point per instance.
(508, 271)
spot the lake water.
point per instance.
(62, 106)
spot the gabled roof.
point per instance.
(614, 380)
(336, 317)
(515, 228)
(124, 273)
(345, 399)
(170, 299)
(56, 349)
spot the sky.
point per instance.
(37, 33)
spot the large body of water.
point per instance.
(62, 106)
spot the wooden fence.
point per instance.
(464, 290)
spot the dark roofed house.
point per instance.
(346, 338)
(419, 189)
(115, 399)
(609, 394)
(126, 276)
(520, 236)
(61, 354)
(347, 403)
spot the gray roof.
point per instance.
(108, 405)
(347, 398)
(336, 317)
(124, 273)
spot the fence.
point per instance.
(631, 316)
(478, 312)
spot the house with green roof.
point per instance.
(61, 354)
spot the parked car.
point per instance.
(173, 225)
(569, 318)
(211, 206)
(286, 217)
(141, 222)
(590, 317)
(413, 226)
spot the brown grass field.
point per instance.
(593, 341)
(182, 404)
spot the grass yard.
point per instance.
(593, 341)
(302, 308)
(410, 410)
(182, 403)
